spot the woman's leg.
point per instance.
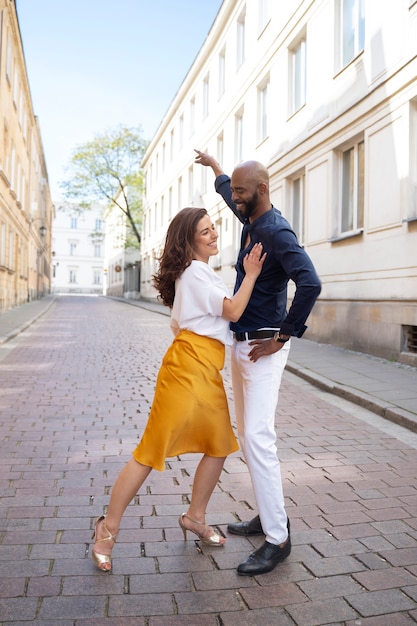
(206, 476)
(128, 483)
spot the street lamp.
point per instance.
(40, 261)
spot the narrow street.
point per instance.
(75, 392)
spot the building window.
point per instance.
(222, 72)
(206, 85)
(96, 277)
(240, 39)
(145, 225)
(264, 15)
(9, 59)
(162, 216)
(16, 87)
(409, 339)
(217, 259)
(97, 249)
(220, 147)
(149, 222)
(11, 250)
(181, 131)
(72, 276)
(351, 29)
(170, 200)
(73, 222)
(73, 248)
(297, 207)
(190, 185)
(171, 145)
(297, 75)
(3, 244)
(99, 225)
(192, 116)
(239, 137)
(352, 188)
(179, 193)
(13, 167)
(263, 106)
(203, 171)
(163, 156)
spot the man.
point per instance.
(261, 346)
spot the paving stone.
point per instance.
(329, 587)
(393, 619)
(141, 605)
(256, 617)
(184, 620)
(385, 579)
(207, 601)
(109, 621)
(12, 587)
(317, 613)
(18, 609)
(274, 595)
(403, 556)
(381, 602)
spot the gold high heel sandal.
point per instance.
(101, 561)
(215, 540)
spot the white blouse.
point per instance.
(198, 303)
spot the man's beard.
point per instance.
(247, 209)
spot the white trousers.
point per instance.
(256, 389)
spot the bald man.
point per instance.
(261, 347)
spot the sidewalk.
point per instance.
(388, 389)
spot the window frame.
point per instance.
(351, 189)
(297, 73)
(263, 110)
(350, 50)
(240, 39)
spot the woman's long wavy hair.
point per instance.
(178, 252)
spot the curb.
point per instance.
(20, 329)
(386, 410)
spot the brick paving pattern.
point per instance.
(75, 391)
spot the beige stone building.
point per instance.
(324, 92)
(26, 209)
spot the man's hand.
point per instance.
(205, 159)
(262, 347)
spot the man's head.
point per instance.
(250, 189)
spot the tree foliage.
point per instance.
(108, 169)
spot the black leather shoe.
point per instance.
(264, 559)
(254, 527)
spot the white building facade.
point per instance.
(78, 251)
(323, 92)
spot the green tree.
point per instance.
(108, 168)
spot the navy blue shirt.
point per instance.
(286, 260)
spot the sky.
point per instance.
(94, 65)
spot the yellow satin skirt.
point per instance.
(189, 412)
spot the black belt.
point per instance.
(255, 334)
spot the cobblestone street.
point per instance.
(75, 391)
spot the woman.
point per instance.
(189, 412)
